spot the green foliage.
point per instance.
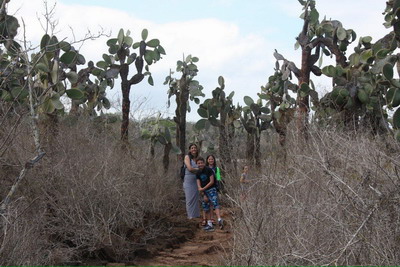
(186, 83)
(278, 94)
(54, 69)
(8, 27)
(218, 110)
(248, 100)
(75, 94)
(367, 83)
(68, 57)
(256, 117)
(120, 53)
(158, 130)
(396, 119)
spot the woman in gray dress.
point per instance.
(190, 183)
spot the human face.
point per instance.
(211, 161)
(201, 164)
(246, 169)
(193, 150)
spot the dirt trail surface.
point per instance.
(204, 249)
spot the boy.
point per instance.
(206, 186)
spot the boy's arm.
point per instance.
(199, 185)
(210, 183)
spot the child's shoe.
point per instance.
(208, 228)
(221, 224)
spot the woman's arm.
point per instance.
(242, 179)
(188, 165)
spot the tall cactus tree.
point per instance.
(94, 91)
(219, 111)
(53, 73)
(37, 80)
(56, 66)
(392, 19)
(184, 89)
(117, 64)
(53, 69)
(327, 36)
(359, 89)
(278, 92)
(365, 89)
(255, 119)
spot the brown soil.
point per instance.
(182, 243)
(203, 249)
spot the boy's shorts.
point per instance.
(212, 196)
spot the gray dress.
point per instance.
(191, 193)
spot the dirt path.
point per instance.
(204, 249)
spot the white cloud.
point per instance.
(221, 47)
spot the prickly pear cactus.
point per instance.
(118, 61)
(219, 111)
(184, 89)
(159, 130)
(256, 117)
(392, 20)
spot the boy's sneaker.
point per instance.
(208, 228)
(221, 224)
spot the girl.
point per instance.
(190, 183)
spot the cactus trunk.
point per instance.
(225, 152)
(126, 103)
(303, 102)
(250, 148)
(167, 149)
(180, 119)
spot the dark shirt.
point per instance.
(204, 176)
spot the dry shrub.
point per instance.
(87, 199)
(333, 200)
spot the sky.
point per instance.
(232, 38)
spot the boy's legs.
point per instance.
(205, 213)
(206, 209)
(212, 196)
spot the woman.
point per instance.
(190, 183)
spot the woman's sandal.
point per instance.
(203, 222)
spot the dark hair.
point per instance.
(189, 154)
(200, 159)
(215, 162)
(192, 144)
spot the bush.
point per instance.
(86, 199)
(331, 201)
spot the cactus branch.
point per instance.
(334, 49)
